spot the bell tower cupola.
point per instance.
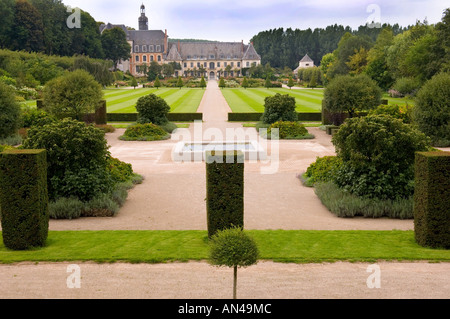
(143, 20)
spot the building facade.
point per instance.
(210, 59)
(304, 63)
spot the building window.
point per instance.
(212, 56)
(192, 64)
(159, 58)
(198, 64)
(158, 48)
(205, 64)
(248, 64)
(137, 58)
(151, 58)
(225, 64)
(144, 48)
(151, 48)
(218, 64)
(138, 69)
(232, 64)
(136, 48)
(185, 64)
(144, 58)
(239, 64)
(188, 57)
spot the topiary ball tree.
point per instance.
(9, 112)
(279, 108)
(432, 110)
(233, 248)
(152, 109)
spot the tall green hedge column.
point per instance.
(24, 198)
(432, 199)
(224, 190)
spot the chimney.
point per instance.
(179, 48)
(166, 44)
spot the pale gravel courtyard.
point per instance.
(172, 197)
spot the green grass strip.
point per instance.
(296, 246)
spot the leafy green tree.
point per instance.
(279, 108)
(99, 69)
(221, 83)
(245, 83)
(203, 82)
(9, 111)
(268, 83)
(290, 83)
(154, 71)
(7, 14)
(27, 29)
(115, 45)
(134, 83)
(152, 109)
(180, 83)
(351, 94)
(432, 110)
(72, 95)
(233, 248)
(167, 70)
(157, 83)
(87, 40)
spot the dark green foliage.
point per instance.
(77, 157)
(432, 110)
(279, 108)
(254, 117)
(222, 83)
(24, 198)
(352, 94)
(432, 199)
(145, 132)
(224, 190)
(406, 86)
(100, 113)
(245, 83)
(378, 156)
(203, 82)
(289, 130)
(9, 112)
(180, 83)
(173, 117)
(72, 95)
(99, 69)
(322, 170)
(157, 83)
(345, 205)
(152, 109)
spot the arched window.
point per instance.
(152, 48)
(158, 48)
(136, 48)
(144, 48)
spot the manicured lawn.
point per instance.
(279, 246)
(252, 100)
(180, 101)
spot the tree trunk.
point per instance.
(235, 282)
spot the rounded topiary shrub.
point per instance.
(377, 154)
(152, 109)
(289, 130)
(77, 156)
(432, 110)
(145, 132)
(279, 108)
(9, 112)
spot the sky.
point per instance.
(237, 20)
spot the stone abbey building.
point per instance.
(211, 59)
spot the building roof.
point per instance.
(110, 26)
(142, 37)
(306, 58)
(211, 51)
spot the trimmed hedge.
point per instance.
(172, 117)
(25, 217)
(256, 117)
(432, 199)
(224, 190)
